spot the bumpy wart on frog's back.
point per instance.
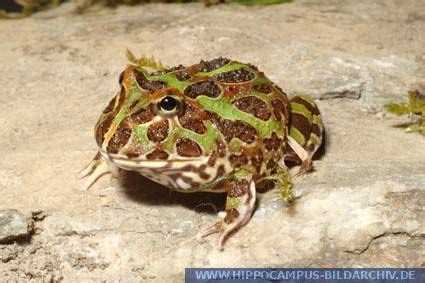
(217, 126)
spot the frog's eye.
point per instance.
(169, 106)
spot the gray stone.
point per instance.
(14, 226)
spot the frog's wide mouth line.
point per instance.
(134, 163)
(164, 165)
(144, 160)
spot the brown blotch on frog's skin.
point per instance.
(316, 130)
(157, 154)
(211, 65)
(132, 153)
(133, 105)
(238, 189)
(236, 129)
(220, 171)
(235, 76)
(220, 151)
(183, 76)
(202, 172)
(278, 108)
(257, 160)
(158, 131)
(272, 143)
(254, 106)
(302, 124)
(121, 98)
(143, 115)
(144, 83)
(119, 138)
(191, 119)
(233, 89)
(188, 148)
(208, 88)
(121, 77)
(263, 88)
(238, 160)
(110, 106)
(212, 159)
(221, 148)
(271, 164)
(102, 128)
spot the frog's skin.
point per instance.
(230, 131)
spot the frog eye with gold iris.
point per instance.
(169, 106)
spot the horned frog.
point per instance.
(216, 126)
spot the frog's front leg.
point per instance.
(98, 167)
(240, 204)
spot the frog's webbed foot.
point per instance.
(212, 229)
(95, 169)
(240, 204)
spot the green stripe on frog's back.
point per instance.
(297, 108)
(268, 98)
(168, 78)
(231, 66)
(226, 110)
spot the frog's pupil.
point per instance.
(168, 103)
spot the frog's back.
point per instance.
(248, 110)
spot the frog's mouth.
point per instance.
(182, 173)
(139, 163)
(178, 173)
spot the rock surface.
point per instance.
(363, 206)
(14, 226)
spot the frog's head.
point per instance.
(151, 124)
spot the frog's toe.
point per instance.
(216, 228)
(240, 205)
(226, 227)
(94, 170)
(233, 221)
(306, 167)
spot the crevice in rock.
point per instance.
(39, 215)
(354, 93)
(386, 234)
(91, 233)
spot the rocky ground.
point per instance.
(362, 207)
